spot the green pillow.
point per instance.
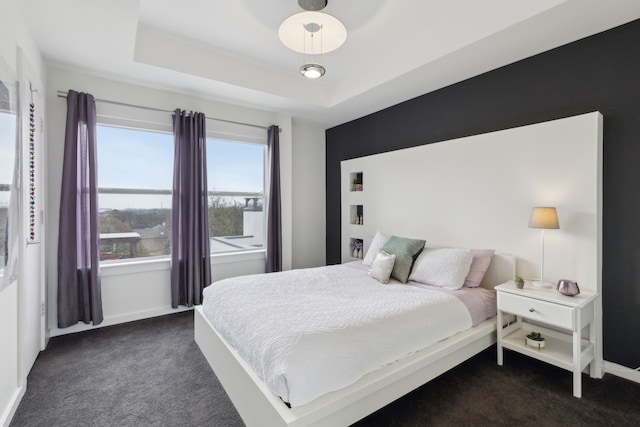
(406, 251)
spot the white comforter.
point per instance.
(312, 331)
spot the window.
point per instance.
(236, 195)
(135, 177)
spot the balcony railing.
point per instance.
(155, 240)
(150, 192)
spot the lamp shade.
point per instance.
(544, 217)
(294, 33)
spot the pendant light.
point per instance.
(321, 33)
(311, 69)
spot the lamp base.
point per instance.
(541, 284)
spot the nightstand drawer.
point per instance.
(542, 311)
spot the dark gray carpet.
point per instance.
(151, 373)
(145, 373)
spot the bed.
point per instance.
(259, 406)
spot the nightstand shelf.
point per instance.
(565, 318)
(558, 350)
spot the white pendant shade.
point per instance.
(334, 33)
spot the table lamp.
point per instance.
(543, 218)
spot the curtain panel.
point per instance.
(79, 290)
(190, 255)
(273, 204)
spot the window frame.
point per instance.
(255, 141)
(156, 121)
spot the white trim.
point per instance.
(14, 402)
(142, 265)
(117, 320)
(232, 257)
(134, 265)
(622, 371)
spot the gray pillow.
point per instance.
(406, 251)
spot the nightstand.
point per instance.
(559, 318)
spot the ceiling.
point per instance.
(229, 50)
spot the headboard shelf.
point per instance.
(478, 191)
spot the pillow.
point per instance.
(376, 244)
(406, 251)
(444, 267)
(381, 266)
(479, 266)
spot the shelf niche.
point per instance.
(352, 244)
(356, 216)
(355, 178)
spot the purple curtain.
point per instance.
(79, 292)
(190, 259)
(273, 210)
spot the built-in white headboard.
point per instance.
(478, 192)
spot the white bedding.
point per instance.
(308, 332)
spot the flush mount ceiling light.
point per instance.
(312, 33)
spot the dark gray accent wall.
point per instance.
(602, 73)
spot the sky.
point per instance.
(144, 160)
(130, 158)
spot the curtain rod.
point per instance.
(63, 94)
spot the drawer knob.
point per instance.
(531, 310)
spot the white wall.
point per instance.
(12, 380)
(11, 389)
(309, 213)
(148, 281)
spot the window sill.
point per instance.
(133, 266)
(230, 257)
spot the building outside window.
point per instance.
(236, 195)
(135, 178)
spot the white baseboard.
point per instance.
(12, 406)
(622, 371)
(116, 320)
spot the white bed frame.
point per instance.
(258, 406)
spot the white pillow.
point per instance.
(444, 267)
(376, 244)
(382, 266)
